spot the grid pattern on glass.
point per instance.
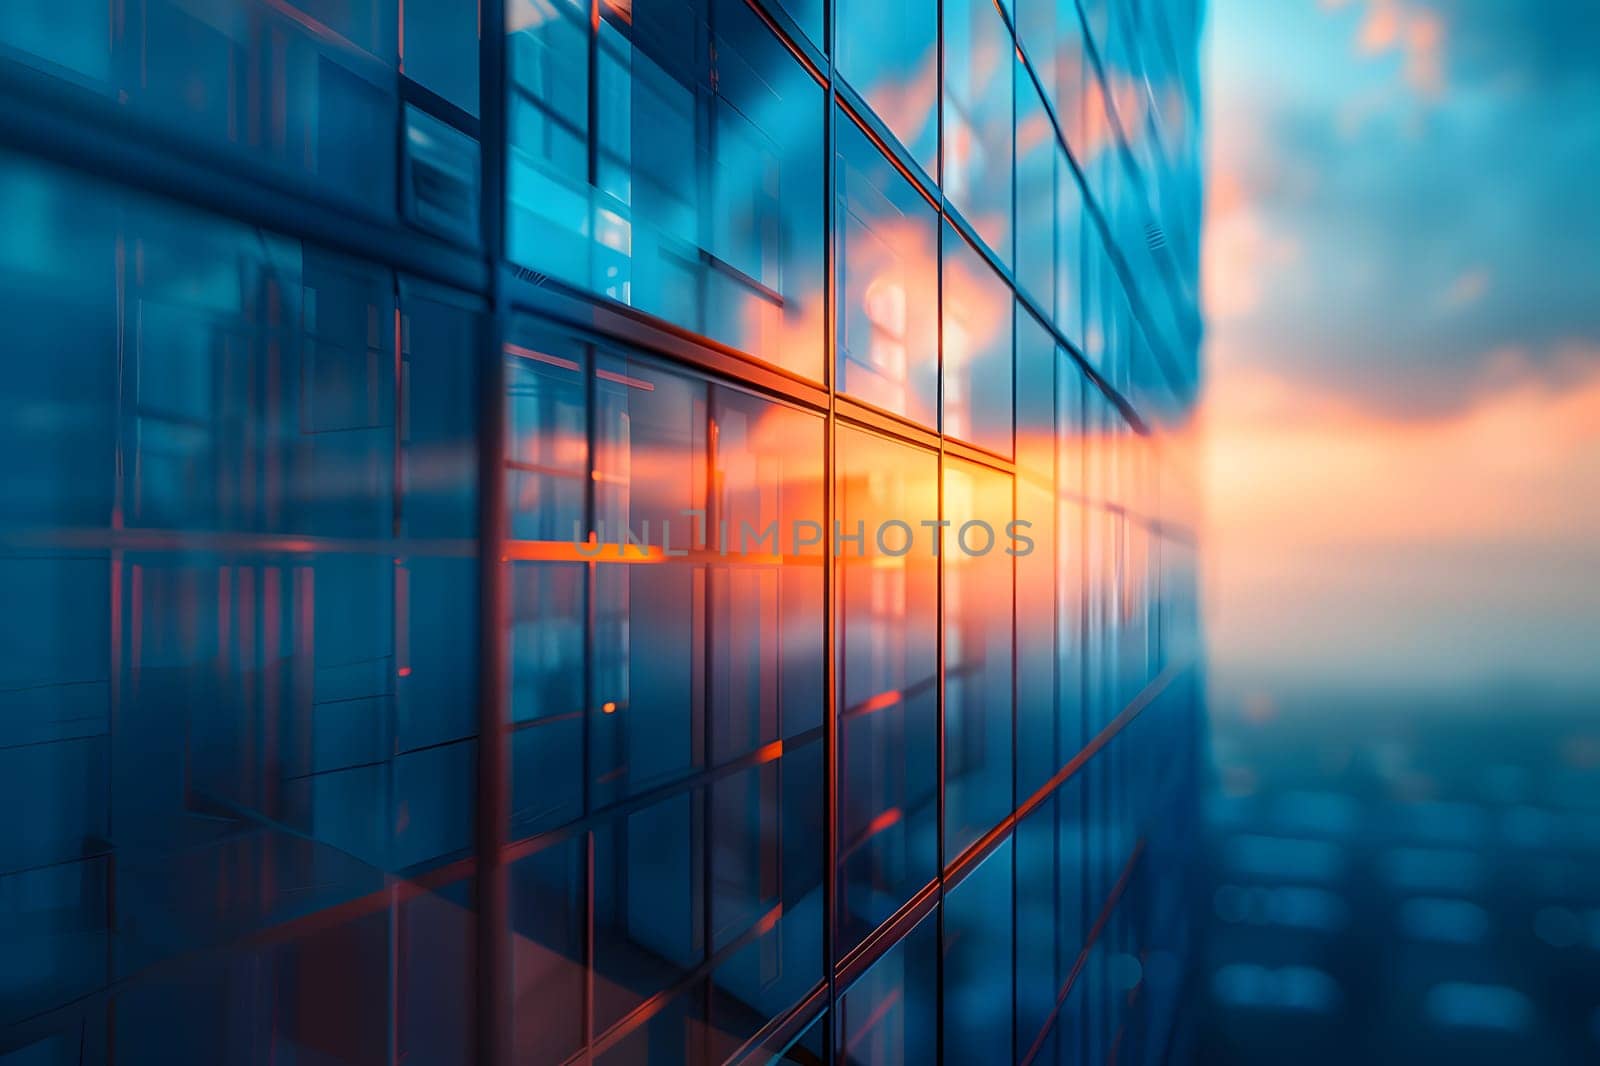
(976, 341)
(670, 156)
(977, 119)
(886, 249)
(246, 459)
(888, 51)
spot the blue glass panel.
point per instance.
(248, 683)
(977, 653)
(549, 920)
(888, 278)
(767, 860)
(978, 78)
(766, 593)
(650, 467)
(1037, 154)
(648, 898)
(1039, 748)
(1071, 572)
(891, 1013)
(888, 676)
(547, 468)
(1049, 921)
(681, 174)
(977, 939)
(977, 348)
(809, 1049)
(439, 49)
(1079, 905)
(807, 14)
(308, 90)
(440, 180)
(889, 53)
(1070, 295)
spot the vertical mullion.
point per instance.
(939, 563)
(494, 969)
(830, 602)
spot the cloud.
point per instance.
(1242, 254)
(1386, 252)
(1341, 537)
(1404, 414)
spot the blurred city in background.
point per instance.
(1403, 536)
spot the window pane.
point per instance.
(1037, 150)
(887, 731)
(1071, 297)
(440, 185)
(1038, 749)
(1102, 585)
(1070, 558)
(1081, 902)
(439, 49)
(888, 52)
(977, 939)
(308, 90)
(977, 348)
(766, 594)
(977, 653)
(698, 193)
(888, 283)
(547, 464)
(548, 927)
(978, 120)
(809, 1049)
(249, 652)
(767, 838)
(650, 609)
(1046, 903)
(649, 930)
(892, 1013)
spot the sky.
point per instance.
(1402, 290)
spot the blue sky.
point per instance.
(1432, 166)
(1403, 301)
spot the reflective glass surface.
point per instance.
(1041, 739)
(886, 245)
(670, 157)
(1070, 300)
(703, 657)
(305, 89)
(891, 1014)
(887, 731)
(443, 629)
(242, 505)
(1037, 217)
(977, 941)
(978, 687)
(888, 51)
(978, 81)
(978, 366)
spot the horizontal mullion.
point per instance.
(602, 320)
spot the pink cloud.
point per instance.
(1243, 251)
(1417, 33)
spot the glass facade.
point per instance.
(596, 530)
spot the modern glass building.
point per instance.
(596, 531)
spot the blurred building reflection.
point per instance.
(493, 546)
(1403, 880)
